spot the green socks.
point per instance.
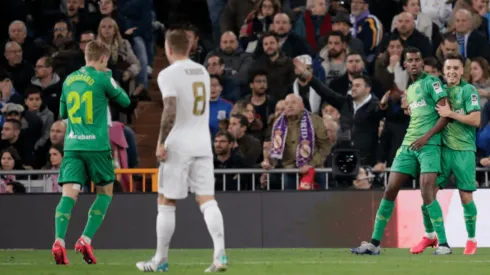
(62, 216)
(435, 213)
(96, 214)
(470, 218)
(429, 228)
(382, 217)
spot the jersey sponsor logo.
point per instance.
(81, 137)
(437, 87)
(417, 104)
(474, 100)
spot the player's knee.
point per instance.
(105, 190)
(466, 196)
(71, 190)
(162, 200)
(203, 199)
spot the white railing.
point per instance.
(44, 184)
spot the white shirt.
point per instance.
(189, 82)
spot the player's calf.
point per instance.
(214, 222)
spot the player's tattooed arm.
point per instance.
(168, 117)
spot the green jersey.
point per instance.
(84, 102)
(464, 99)
(422, 98)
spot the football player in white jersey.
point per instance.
(184, 151)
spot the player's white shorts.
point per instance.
(180, 174)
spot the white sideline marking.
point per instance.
(257, 263)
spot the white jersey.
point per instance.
(189, 82)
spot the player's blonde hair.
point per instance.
(178, 41)
(95, 50)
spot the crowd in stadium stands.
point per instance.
(342, 58)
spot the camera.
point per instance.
(345, 159)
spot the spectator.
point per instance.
(31, 127)
(355, 66)
(302, 88)
(108, 9)
(438, 11)
(255, 127)
(298, 140)
(226, 158)
(290, 43)
(388, 69)
(366, 27)
(8, 93)
(258, 22)
(234, 58)
(480, 78)
(433, 67)
(423, 23)
(314, 24)
(35, 105)
(219, 108)
(10, 161)
(49, 83)
(470, 42)
(20, 71)
(57, 132)
(449, 45)
(411, 37)
(364, 179)
(260, 100)
(123, 63)
(54, 163)
(341, 22)
(235, 13)
(18, 33)
(331, 62)
(329, 112)
(231, 88)
(79, 18)
(247, 146)
(85, 38)
(15, 187)
(476, 21)
(198, 51)
(65, 52)
(279, 67)
(140, 19)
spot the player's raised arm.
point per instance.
(439, 94)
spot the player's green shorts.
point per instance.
(410, 162)
(79, 166)
(462, 164)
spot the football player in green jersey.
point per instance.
(458, 149)
(420, 153)
(84, 103)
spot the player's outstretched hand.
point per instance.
(419, 143)
(161, 153)
(444, 111)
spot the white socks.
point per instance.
(214, 222)
(431, 235)
(165, 230)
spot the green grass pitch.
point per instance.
(253, 261)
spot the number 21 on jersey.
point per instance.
(199, 91)
(74, 100)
